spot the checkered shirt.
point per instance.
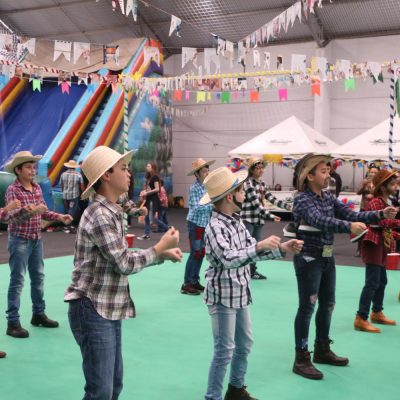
(253, 210)
(229, 250)
(4, 216)
(103, 262)
(21, 223)
(70, 182)
(198, 214)
(328, 214)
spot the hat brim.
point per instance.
(259, 161)
(241, 176)
(378, 186)
(193, 171)
(89, 191)
(20, 160)
(67, 165)
(307, 164)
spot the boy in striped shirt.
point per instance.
(229, 249)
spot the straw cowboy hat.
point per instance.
(71, 164)
(220, 182)
(97, 163)
(380, 178)
(252, 161)
(306, 164)
(20, 158)
(199, 164)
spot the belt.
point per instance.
(318, 252)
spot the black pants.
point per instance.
(373, 290)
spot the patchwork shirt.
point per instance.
(198, 214)
(229, 250)
(103, 262)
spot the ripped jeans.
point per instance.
(316, 281)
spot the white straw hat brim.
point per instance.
(89, 191)
(240, 176)
(199, 167)
(20, 160)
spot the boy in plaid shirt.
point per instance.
(229, 249)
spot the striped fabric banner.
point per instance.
(392, 114)
(125, 139)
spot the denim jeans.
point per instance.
(197, 252)
(162, 219)
(72, 208)
(147, 221)
(233, 340)
(316, 281)
(100, 342)
(373, 290)
(25, 253)
(255, 231)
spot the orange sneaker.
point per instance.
(365, 326)
(380, 318)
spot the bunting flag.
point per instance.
(187, 95)
(316, 89)
(254, 96)
(36, 85)
(151, 54)
(375, 69)
(225, 98)
(211, 56)
(283, 94)
(82, 49)
(299, 63)
(200, 97)
(122, 6)
(83, 78)
(267, 59)
(65, 85)
(28, 47)
(177, 95)
(189, 54)
(256, 58)
(132, 6)
(111, 53)
(349, 84)
(62, 47)
(221, 43)
(175, 26)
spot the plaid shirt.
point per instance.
(4, 215)
(103, 262)
(21, 223)
(328, 214)
(376, 235)
(70, 183)
(253, 209)
(229, 250)
(198, 214)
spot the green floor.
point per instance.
(167, 348)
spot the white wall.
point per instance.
(337, 114)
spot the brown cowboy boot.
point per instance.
(380, 318)
(324, 355)
(2, 354)
(234, 393)
(304, 367)
(364, 325)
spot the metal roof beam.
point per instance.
(316, 29)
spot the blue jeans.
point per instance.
(197, 252)
(25, 253)
(373, 290)
(233, 340)
(316, 281)
(72, 207)
(147, 222)
(100, 342)
(255, 231)
(162, 219)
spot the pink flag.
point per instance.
(283, 94)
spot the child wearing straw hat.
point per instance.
(25, 242)
(99, 296)
(229, 249)
(254, 212)
(197, 220)
(376, 244)
(71, 185)
(315, 265)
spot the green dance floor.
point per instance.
(167, 348)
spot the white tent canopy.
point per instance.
(373, 143)
(291, 137)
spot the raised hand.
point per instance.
(293, 246)
(173, 255)
(357, 228)
(270, 243)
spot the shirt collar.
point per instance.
(229, 218)
(113, 207)
(19, 184)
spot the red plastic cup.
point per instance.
(392, 261)
(130, 239)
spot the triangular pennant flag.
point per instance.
(256, 58)
(177, 95)
(200, 97)
(151, 54)
(187, 95)
(375, 68)
(349, 84)
(267, 59)
(175, 25)
(254, 96)
(299, 63)
(83, 78)
(221, 46)
(283, 94)
(65, 87)
(316, 89)
(132, 5)
(189, 54)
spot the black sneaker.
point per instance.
(144, 237)
(258, 276)
(290, 230)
